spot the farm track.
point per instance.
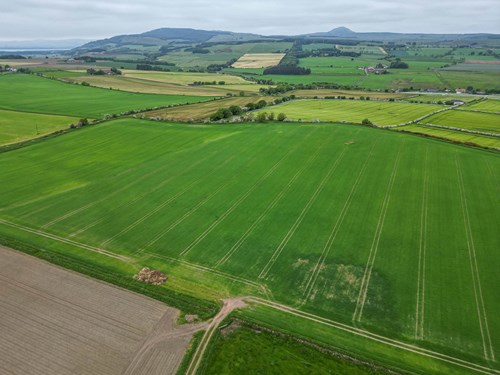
(374, 337)
(489, 353)
(67, 241)
(333, 234)
(363, 291)
(264, 272)
(420, 298)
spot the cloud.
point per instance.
(40, 19)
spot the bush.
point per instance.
(281, 117)
(366, 122)
(262, 117)
(270, 117)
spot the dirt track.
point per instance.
(54, 321)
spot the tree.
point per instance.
(366, 122)
(261, 104)
(116, 71)
(281, 117)
(270, 117)
(235, 110)
(261, 117)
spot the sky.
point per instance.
(93, 19)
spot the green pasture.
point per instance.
(453, 135)
(490, 105)
(29, 93)
(381, 231)
(379, 113)
(19, 126)
(484, 122)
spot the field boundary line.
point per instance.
(420, 298)
(363, 290)
(335, 230)
(67, 241)
(236, 204)
(375, 337)
(216, 272)
(263, 274)
(271, 205)
(476, 281)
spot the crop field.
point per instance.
(379, 113)
(377, 230)
(453, 135)
(54, 320)
(490, 105)
(202, 111)
(367, 50)
(322, 93)
(478, 80)
(258, 60)
(483, 122)
(150, 85)
(19, 126)
(41, 95)
(434, 98)
(182, 78)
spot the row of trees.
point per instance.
(287, 70)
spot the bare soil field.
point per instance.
(54, 321)
(258, 60)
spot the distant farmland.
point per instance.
(28, 93)
(379, 231)
(379, 113)
(258, 60)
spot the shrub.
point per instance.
(366, 122)
(281, 117)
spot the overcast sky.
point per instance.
(90, 19)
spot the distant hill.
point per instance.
(344, 32)
(168, 36)
(165, 40)
(42, 44)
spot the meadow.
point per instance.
(28, 93)
(240, 349)
(155, 83)
(379, 113)
(19, 126)
(478, 121)
(202, 111)
(491, 105)
(453, 135)
(373, 229)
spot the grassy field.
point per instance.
(258, 60)
(321, 93)
(491, 105)
(379, 113)
(484, 122)
(377, 230)
(241, 349)
(29, 93)
(19, 126)
(434, 98)
(142, 84)
(202, 111)
(453, 135)
(363, 49)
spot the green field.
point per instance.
(453, 135)
(379, 113)
(29, 93)
(19, 126)
(491, 105)
(241, 349)
(483, 122)
(377, 230)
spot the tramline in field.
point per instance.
(377, 230)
